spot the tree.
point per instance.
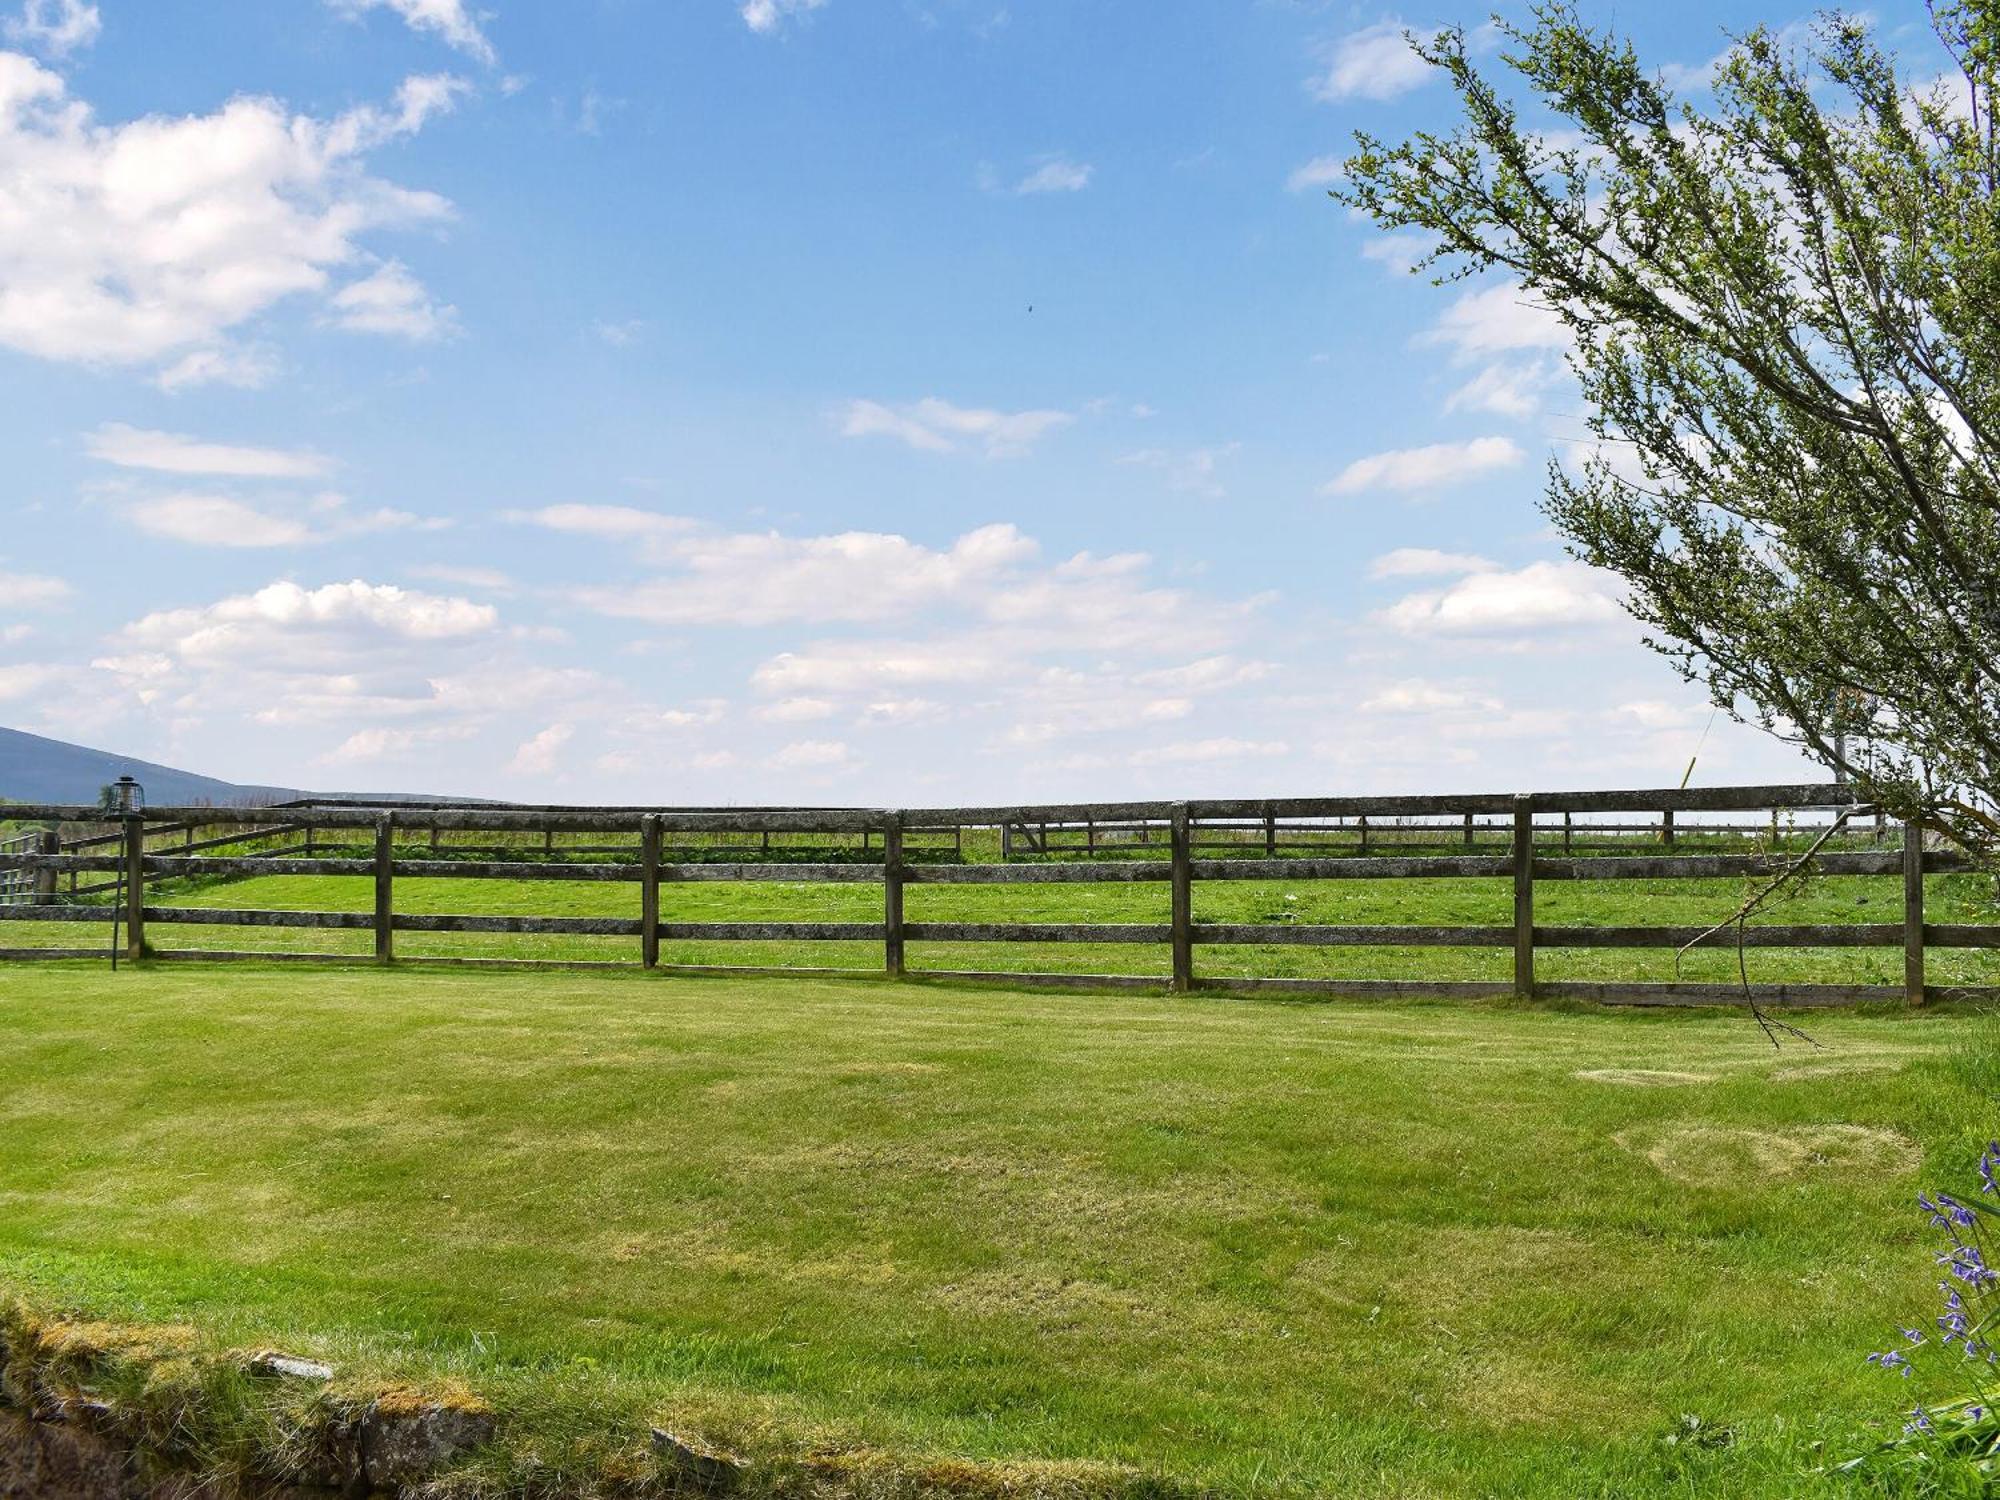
(1785, 315)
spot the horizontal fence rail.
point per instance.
(1686, 833)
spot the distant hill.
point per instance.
(34, 769)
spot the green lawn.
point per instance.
(1251, 1247)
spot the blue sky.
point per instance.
(799, 400)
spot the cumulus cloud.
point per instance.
(543, 754)
(937, 426)
(1426, 468)
(56, 27)
(151, 240)
(1542, 597)
(173, 453)
(1499, 319)
(1376, 62)
(285, 621)
(767, 16)
(392, 301)
(448, 19)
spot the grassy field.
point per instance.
(1950, 898)
(1250, 1248)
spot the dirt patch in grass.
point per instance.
(1716, 1155)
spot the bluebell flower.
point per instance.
(1989, 1168)
(1920, 1421)
(1891, 1359)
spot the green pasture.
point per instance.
(1166, 1246)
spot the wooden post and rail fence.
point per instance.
(1175, 830)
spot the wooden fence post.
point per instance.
(1667, 827)
(385, 890)
(1362, 823)
(1183, 900)
(1468, 830)
(135, 888)
(1524, 896)
(649, 891)
(45, 880)
(892, 896)
(309, 841)
(1006, 840)
(1568, 835)
(1913, 914)
(1270, 836)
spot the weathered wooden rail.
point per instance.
(136, 858)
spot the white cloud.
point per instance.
(543, 755)
(1399, 251)
(1413, 695)
(1321, 171)
(57, 27)
(939, 427)
(1376, 62)
(245, 368)
(611, 522)
(32, 591)
(1507, 390)
(223, 521)
(1427, 562)
(854, 668)
(284, 621)
(171, 453)
(392, 301)
(1498, 319)
(767, 16)
(1055, 174)
(449, 19)
(751, 579)
(216, 521)
(1542, 597)
(1438, 464)
(150, 240)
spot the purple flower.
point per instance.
(1891, 1359)
(1989, 1166)
(1975, 1414)
(1920, 1421)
